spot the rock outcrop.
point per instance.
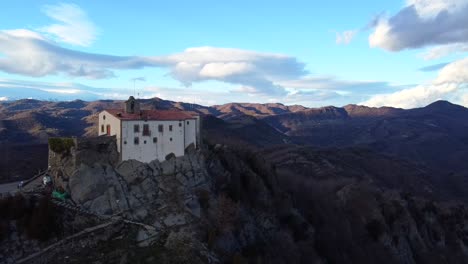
(225, 205)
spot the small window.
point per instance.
(155, 140)
(136, 128)
(161, 128)
(136, 141)
(146, 130)
(188, 122)
(104, 117)
(180, 124)
(144, 141)
(170, 139)
(108, 132)
(170, 127)
(125, 142)
(102, 128)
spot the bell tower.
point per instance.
(132, 106)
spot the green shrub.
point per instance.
(61, 145)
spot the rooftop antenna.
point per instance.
(143, 79)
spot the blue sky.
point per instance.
(403, 53)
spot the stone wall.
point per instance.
(85, 151)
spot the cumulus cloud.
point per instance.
(454, 73)
(431, 8)
(40, 57)
(3, 98)
(444, 50)
(414, 97)
(258, 71)
(345, 37)
(450, 79)
(422, 23)
(439, 24)
(464, 100)
(73, 27)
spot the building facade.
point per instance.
(147, 135)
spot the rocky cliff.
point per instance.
(227, 205)
(209, 204)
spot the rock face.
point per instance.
(225, 205)
(85, 152)
(164, 192)
(200, 199)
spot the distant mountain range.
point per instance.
(433, 138)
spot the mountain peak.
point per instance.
(441, 104)
(444, 106)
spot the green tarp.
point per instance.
(59, 195)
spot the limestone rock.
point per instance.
(146, 237)
(88, 183)
(132, 171)
(174, 219)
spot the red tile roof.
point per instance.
(151, 115)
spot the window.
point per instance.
(102, 128)
(144, 141)
(187, 122)
(160, 128)
(136, 128)
(136, 141)
(146, 130)
(180, 124)
(108, 132)
(155, 140)
(104, 117)
(170, 127)
(170, 139)
(125, 142)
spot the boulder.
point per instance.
(87, 183)
(133, 171)
(174, 220)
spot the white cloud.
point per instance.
(62, 91)
(345, 37)
(444, 50)
(455, 72)
(23, 33)
(450, 79)
(437, 23)
(464, 100)
(3, 98)
(235, 66)
(225, 69)
(40, 57)
(73, 27)
(423, 23)
(431, 8)
(413, 97)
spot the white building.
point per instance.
(146, 135)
